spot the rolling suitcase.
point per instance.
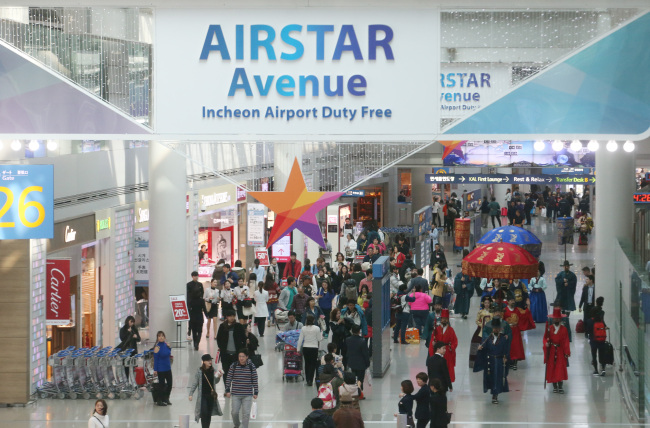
(607, 356)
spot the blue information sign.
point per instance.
(27, 202)
(354, 194)
(509, 179)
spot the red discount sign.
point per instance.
(262, 256)
(179, 308)
(57, 292)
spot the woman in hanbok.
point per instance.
(537, 296)
(483, 317)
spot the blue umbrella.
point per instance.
(513, 235)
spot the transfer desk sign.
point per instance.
(296, 72)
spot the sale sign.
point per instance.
(263, 256)
(179, 308)
(57, 292)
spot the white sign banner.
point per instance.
(141, 259)
(256, 224)
(300, 72)
(466, 88)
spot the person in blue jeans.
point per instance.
(403, 315)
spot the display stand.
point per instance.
(178, 343)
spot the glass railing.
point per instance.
(632, 302)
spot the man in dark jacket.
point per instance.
(196, 308)
(193, 289)
(230, 338)
(437, 256)
(564, 207)
(437, 366)
(356, 357)
(317, 418)
(528, 206)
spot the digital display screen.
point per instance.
(641, 198)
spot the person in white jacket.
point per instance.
(99, 418)
(309, 341)
(261, 297)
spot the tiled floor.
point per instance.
(589, 401)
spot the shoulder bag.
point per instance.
(216, 410)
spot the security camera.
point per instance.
(202, 208)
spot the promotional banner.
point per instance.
(281, 250)
(179, 308)
(466, 88)
(263, 256)
(256, 224)
(27, 202)
(141, 259)
(298, 72)
(57, 292)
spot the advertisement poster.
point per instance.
(263, 256)
(57, 293)
(222, 246)
(256, 224)
(281, 250)
(518, 154)
(141, 259)
(179, 308)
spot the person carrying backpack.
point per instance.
(317, 418)
(600, 348)
(349, 290)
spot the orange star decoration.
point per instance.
(450, 146)
(296, 208)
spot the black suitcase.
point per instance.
(156, 392)
(607, 355)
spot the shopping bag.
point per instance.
(369, 376)
(580, 327)
(254, 410)
(543, 213)
(412, 336)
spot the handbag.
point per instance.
(216, 410)
(256, 359)
(248, 310)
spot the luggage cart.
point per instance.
(292, 364)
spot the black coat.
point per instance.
(437, 368)
(438, 405)
(422, 410)
(585, 295)
(196, 308)
(356, 355)
(239, 336)
(126, 338)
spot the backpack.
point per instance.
(397, 304)
(350, 290)
(600, 332)
(326, 393)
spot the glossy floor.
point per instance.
(589, 401)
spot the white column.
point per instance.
(167, 235)
(283, 156)
(500, 189)
(421, 195)
(613, 216)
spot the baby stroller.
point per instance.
(291, 364)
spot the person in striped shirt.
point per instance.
(242, 387)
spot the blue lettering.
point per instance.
(214, 31)
(286, 38)
(327, 112)
(472, 80)
(357, 82)
(314, 85)
(285, 82)
(264, 89)
(485, 80)
(328, 89)
(384, 43)
(320, 31)
(451, 82)
(239, 36)
(235, 85)
(266, 43)
(347, 31)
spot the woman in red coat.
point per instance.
(446, 334)
(556, 351)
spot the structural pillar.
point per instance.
(614, 176)
(500, 190)
(167, 236)
(283, 157)
(421, 195)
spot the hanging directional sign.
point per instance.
(509, 179)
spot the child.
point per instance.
(363, 297)
(338, 359)
(349, 391)
(405, 405)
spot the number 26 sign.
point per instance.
(26, 201)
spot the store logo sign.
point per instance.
(57, 294)
(103, 224)
(215, 199)
(143, 215)
(241, 194)
(70, 234)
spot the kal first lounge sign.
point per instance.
(298, 72)
(57, 292)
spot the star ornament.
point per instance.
(296, 208)
(450, 146)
